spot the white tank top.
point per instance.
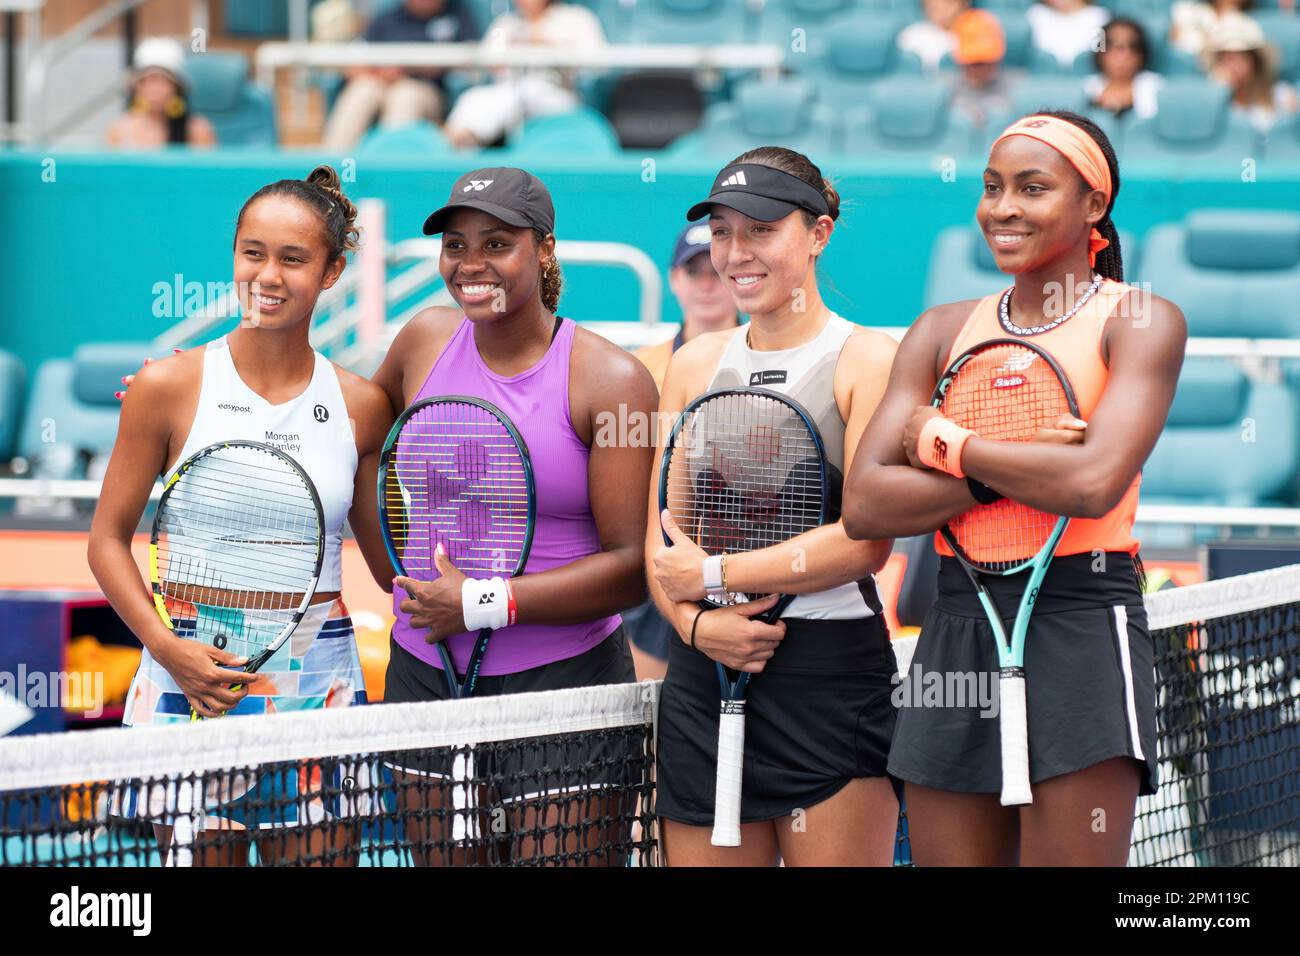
(806, 374)
(312, 429)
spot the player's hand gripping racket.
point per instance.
(237, 546)
(1006, 390)
(744, 469)
(455, 471)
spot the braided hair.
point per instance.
(322, 192)
(1110, 261)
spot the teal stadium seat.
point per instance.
(784, 112)
(962, 266)
(1037, 93)
(779, 19)
(583, 132)
(1283, 31)
(908, 116)
(71, 410)
(1193, 123)
(1228, 441)
(1233, 272)
(242, 113)
(414, 139)
(13, 385)
(863, 49)
(689, 21)
(1283, 143)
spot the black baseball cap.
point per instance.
(515, 196)
(762, 193)
(694, 241)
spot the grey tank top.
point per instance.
(806, 374)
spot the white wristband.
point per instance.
(485, 603)
(712, 570)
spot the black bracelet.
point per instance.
(982, 492)
(694, 624)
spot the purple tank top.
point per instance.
(537, 401)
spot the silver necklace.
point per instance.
(1004, 311)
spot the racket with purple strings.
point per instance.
(454, 470)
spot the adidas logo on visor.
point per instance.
(736, 179)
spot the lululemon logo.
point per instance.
(478, 185)
(320, 413)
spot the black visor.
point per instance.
(762, 193)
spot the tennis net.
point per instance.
(567, 777)
(1227, 677)
(562, 778)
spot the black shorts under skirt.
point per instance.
(1089, 679)
(818, 716)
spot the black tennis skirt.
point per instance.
(1089, 678)
(818, 716)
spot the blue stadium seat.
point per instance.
(863, 48)
(1283, 31)
(962, 266)
(421, 138)
(1193, 122)
(71, 410)
(1234, 272)
(13, 385)
(779, 19)
(1250, 431)
(782, 112)
(908, 115)
(583, 132)
(242, 113)
(689, 21)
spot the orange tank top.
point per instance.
(1076, 346)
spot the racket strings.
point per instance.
(744, 473)
(239, 542)
(1006, 392)
(458, 477)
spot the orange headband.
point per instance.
(1080, 149)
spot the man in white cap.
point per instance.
(158, 112)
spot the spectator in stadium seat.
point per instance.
(1066, 28)
(397, 95)
(933, 38)
(485, 114)
(1122, 83)
(706, 306)
(1193, 22)
(982, 87)
(1240, 58)
(158, 112)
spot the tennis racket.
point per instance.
(744, 469)
(1006, 390)
(455, 471)
(237, 546)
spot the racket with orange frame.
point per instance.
(1006, 390)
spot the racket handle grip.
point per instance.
(731, 756)
(1015, 739)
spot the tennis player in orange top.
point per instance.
(1045, 211)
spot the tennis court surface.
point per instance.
(567, 777)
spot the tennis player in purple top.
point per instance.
(561, 386)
